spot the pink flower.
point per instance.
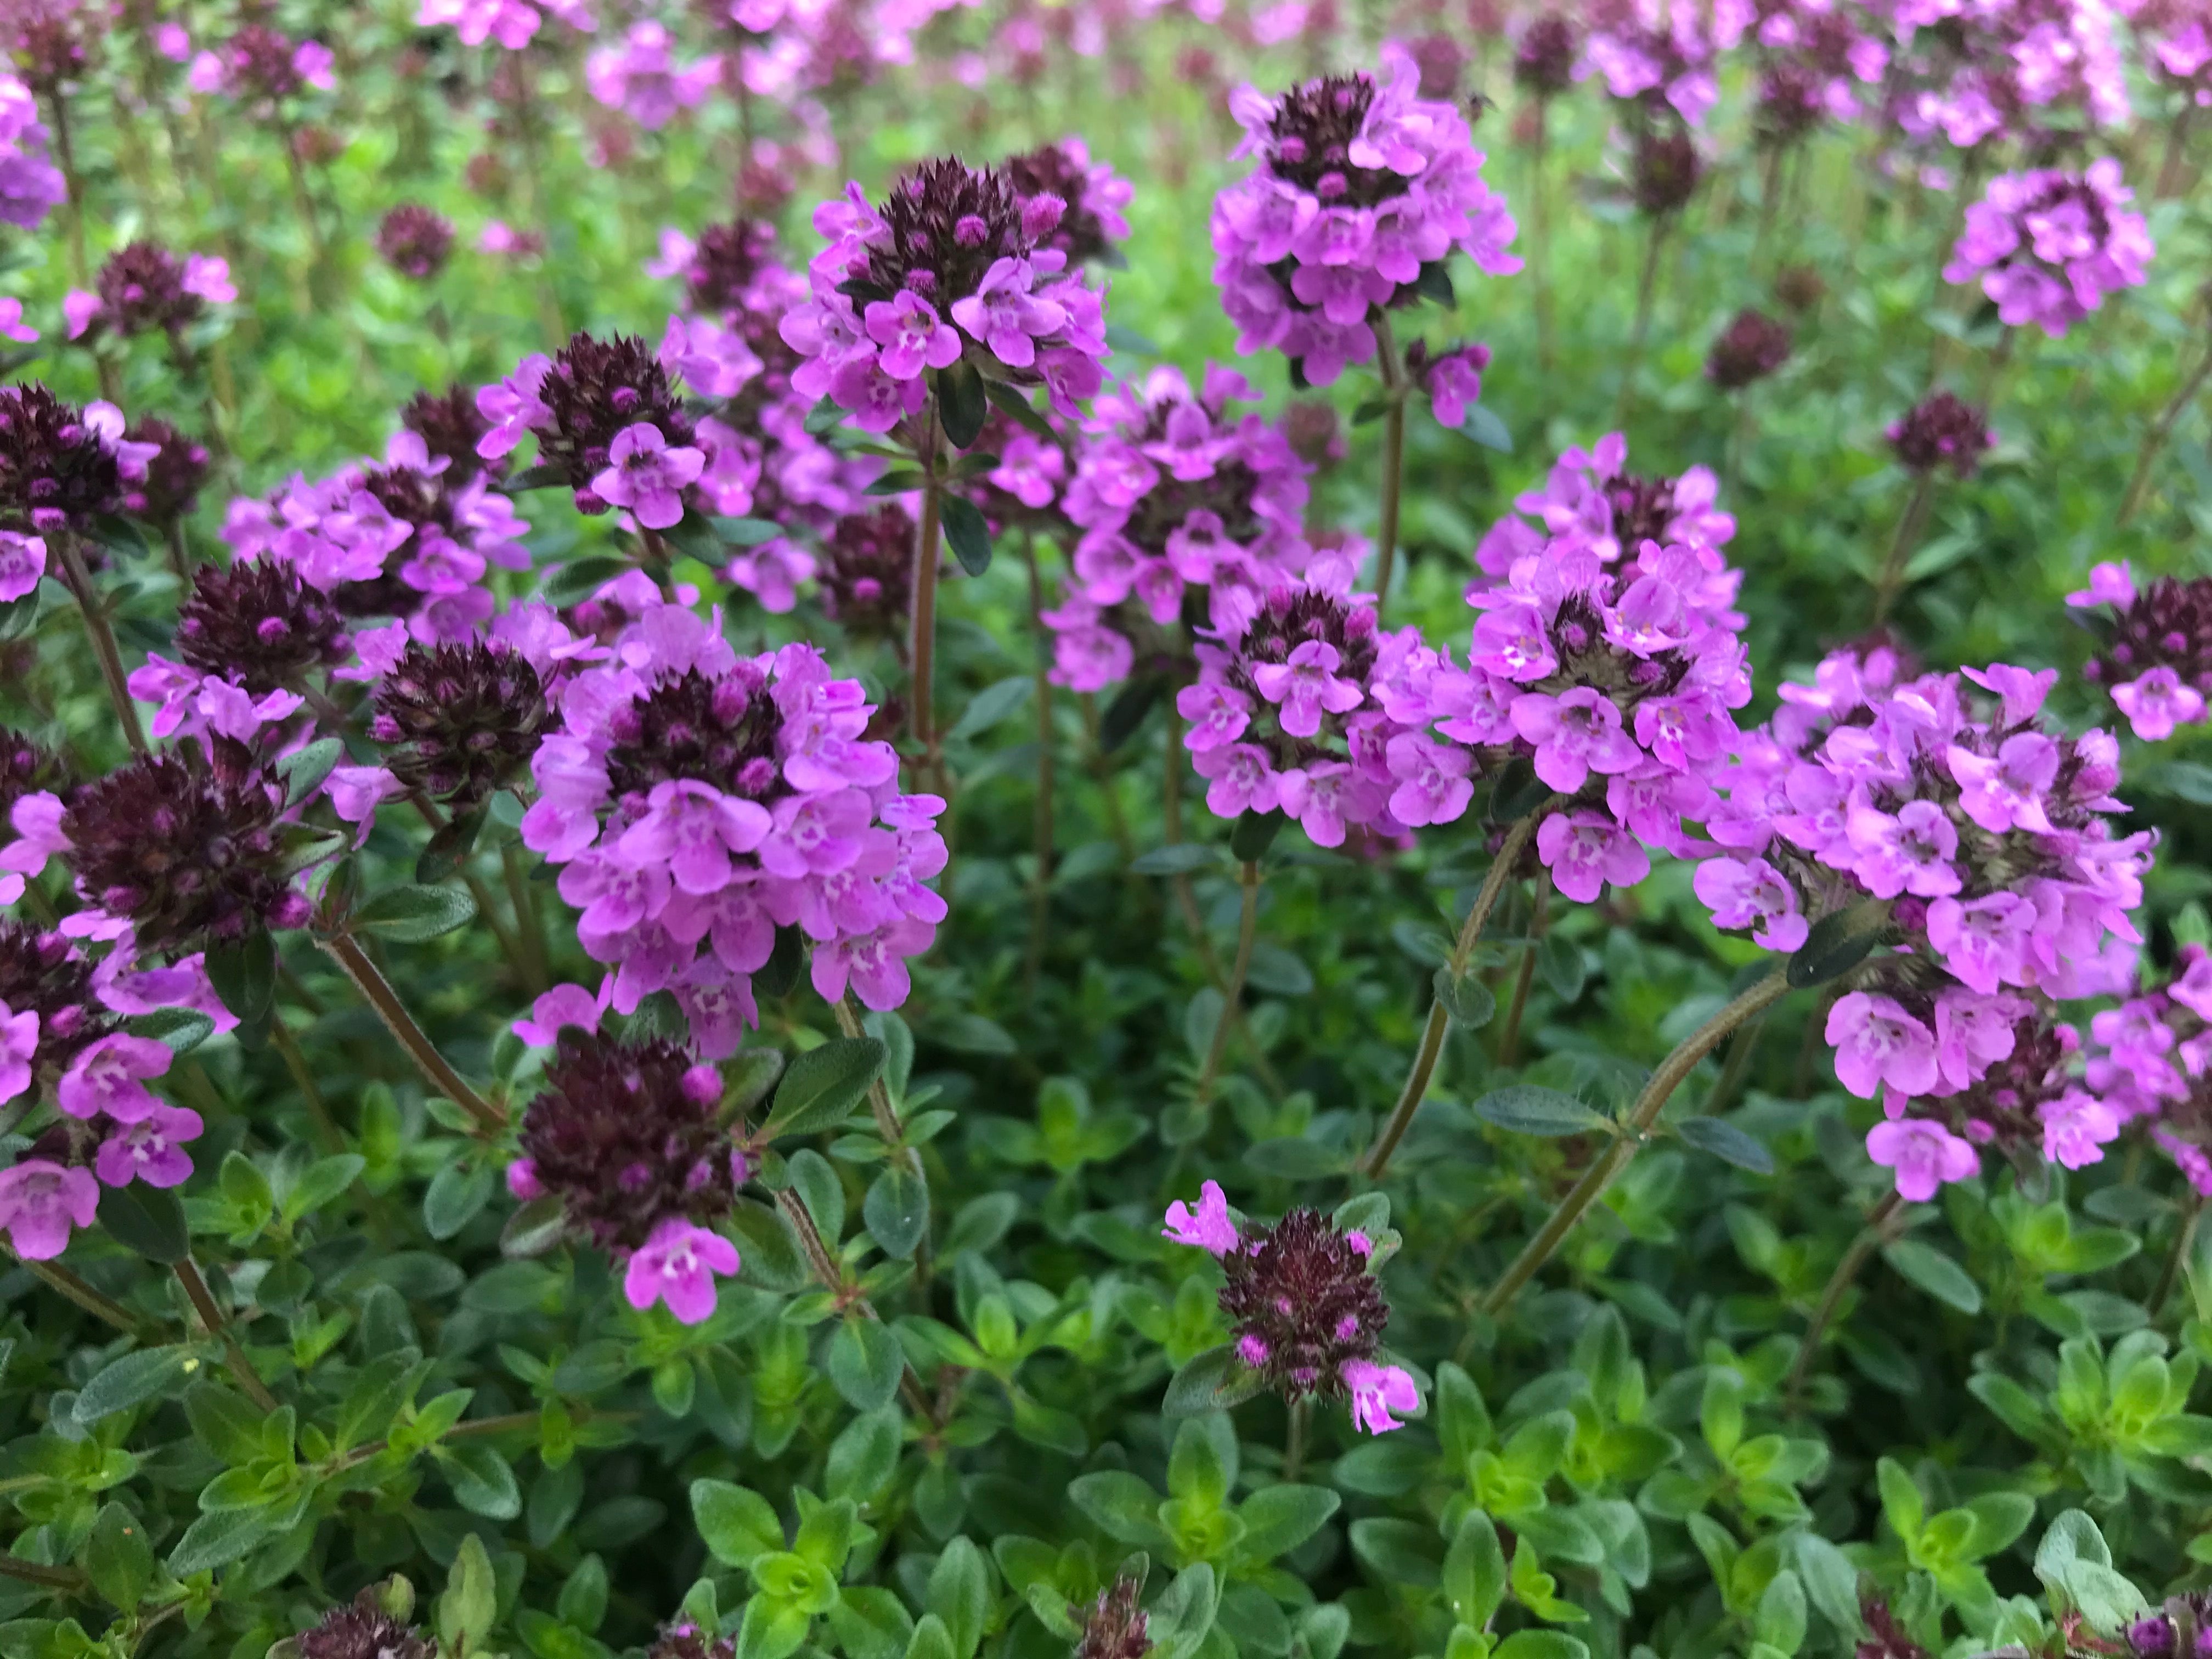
(693, 828)
(1583, 850)
(1925, 1156)
(1984, 941)
(522, 1182)
(22, 564)
(19, 1044)
(150, 1150)
(12, 324)
(108, 1077)
(2154, 703)
(1878, 1044)
(80, 309)
(1910, 852)
(647, 477)
(512, 405)
(2076, 1128)
(356, 791)
(1240, 779)
(1004, 316)
(208, 274)
(40, 1201)
(1432, 785)
(1377, 1391)
(1208, 1227)
(1306, 687)
(1576, 733)
(677, 1264)
(912, 335)
(1752, 893)
(2109, 584)
(564, 1004)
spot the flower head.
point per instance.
(1751, 348)
(415, 241)
(1303, 1306)
(364, 1630)
(1208, 1227)
(1942, 429)
(677, 1264)
(464, 719)
(2154, 660)
(1115, 1627)
(257, 624)
(2047, 245)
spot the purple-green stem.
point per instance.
(102, 636)
(1647, 287)
(203, 1301)
(1540, 241)
(1393, 456)
(1871, 1237)
(818, 1257)
(62, 1280)
(1615, 1157)
(922, 648)
(1891, 579)
(377, 992)
(2170, 1274)
(1378, 1156)
(893, 1130)
(2154, 439)
(303, 1079)
(66, 153)
(1040, 884)
(1509, 1041)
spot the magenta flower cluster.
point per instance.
(2048, 245)
(1991, 69)
(31, 185)
(697, 801)
(954, 266)
(1172, 492)
(641, 75)
(1988, 838)
(2152, 1062)
(1360, 185)
(512, 23)
(2155, 663)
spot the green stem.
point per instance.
(1870, 1238)
(96, 628)
(1294, 1444)
(57, 1277)
(303, 1079)
(1617, 1153)
(922, 651)
(826, 1269)
(1248, 878)
(1900, 547)
(1432, 1035)
(2154, 439)
(529, 923)
(203, 1301)
(377, 992)
(1394, 457)
(1647, 287)
(2170, 1274)
(66, 153)
(1041, 882)
(1540, 242)
(1509, 1042)
(30, 1572)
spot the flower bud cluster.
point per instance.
(2154, 660)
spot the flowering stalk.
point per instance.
(1647, 285)
(1614, 1159)
(1394, 455)
(922, 718)
(2170, 1274)
(80, 266)
(1540, 242)
(203, 1301)
(1432, 1035)
(1874, 1234)
(1040, 884)
(1248, 878)
(1509, 1041)
(377, 991)
(1900, 547)
(59, 1279)
(2154, 439)
(103, 640)
(303, 1079)
(2170, 168)
(529, 925)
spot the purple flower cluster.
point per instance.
(1660, 55)
(2047, 245)
(954, 266)
(2155, 659)
(2153, 1062)
(641, 77)
(144, 286)
(1976, 70)
(1091, 193)
(1817, 60)
(1987, 838)
(1360, 187)
(1171, 493)
(2179, 38)
(31, 186)
(699, 800)
(1302, 1299)
(512, 23)
(262, 66)
(412, 539)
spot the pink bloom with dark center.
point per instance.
(150, 1150)
(1878, 1044)
(1576, 733)
(109, 1077)
(1306, 687)
(1377, 1391)
(649, 477)
(677, 1265)
(1583, 850)
(912, 335)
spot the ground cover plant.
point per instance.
(918, 830)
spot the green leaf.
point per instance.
(896, 1211)
(1279, 1518)
(1930, 1270)
(820, 1088)
(1474, 1571)
(962, 404)
(217, 1539)
(1726, 1143)
(579, 579)
(746, 533)
(735, 1523)
(1539, 1644)
(1253, 833)
(147, 1221)
(959, 1593)
(455, 1196)
(1178, 859)
(1836, 943)
(183, 1028)
(781, 972)
(304, 770)
(449, 847)
(130, 1381)
(967, 534)
(1560, 965)
(866, 1362)
(1125, 715)
(481, 1479)
(471, 1600)
(1470, 1003)
(118, 1559)
(409, 916)
(243, 975)
(1210, 1382)
(1401, 1553)
(1528, 1108)
(1483, 425)
(534, 1228)
(992, 704)
(1122, 1507)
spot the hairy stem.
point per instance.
(529, 924)
(2177, 154)
(1044, 831)
(65, 154)
(1432, 1035)
(1871, 1237)
(2170, 1274)
(922, 651)
(1233, 994)
(30, 1572)
(1394, 457)
(303, 1079)
(816, 1252)
(1540, 241)
(377, 991)
(1614, 1159)
(2154, 439)
(203, 1301)
(55, 1277)
(1294, 1444)
(102, 636)
(1891, 579)
(1509, 1041)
